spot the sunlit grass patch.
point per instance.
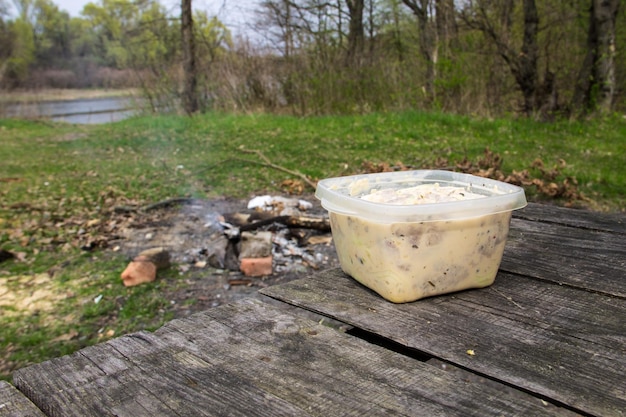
(77, 302)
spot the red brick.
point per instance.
(139, 271)
(256, 267)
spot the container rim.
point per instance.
(340, 195)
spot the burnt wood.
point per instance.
(253, 359)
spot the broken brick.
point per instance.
(139, 272)
(256, 267)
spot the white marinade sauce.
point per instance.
(406, 261)
(421, 194)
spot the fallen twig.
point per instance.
(267, 163)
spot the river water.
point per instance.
(81, 111)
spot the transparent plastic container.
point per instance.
(406, 252)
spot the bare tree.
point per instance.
(445, 17)
(595, 87)
(277, 25)
(289, 24)
(437, 26)
(525, 70)
(522, 62)
(427, 41)
(190, 96)
(356, 31)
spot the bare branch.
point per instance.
(266, 162)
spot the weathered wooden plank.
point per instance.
(575, 260)
(608, 222)
(14, 404)
(250, 359)
(154, 380)
(345, 362)
(556, 341)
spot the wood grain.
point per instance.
(14, 404)
(548, 338)
(583, 258)
(584, 219)
(555, 341)
(253, 359)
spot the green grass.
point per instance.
(55, 178)
(158, 157)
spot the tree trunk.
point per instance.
(527, 64)
(397, 33)
(595, 87)
(288, 30)
(190, 96)
(446, 23)
(356, 32)
(523, 63)
(427, 42)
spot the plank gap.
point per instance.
(389, 344)
(431, 360)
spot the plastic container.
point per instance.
(406, 252)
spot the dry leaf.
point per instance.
(65, 337)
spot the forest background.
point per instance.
(544, 59)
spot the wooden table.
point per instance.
(548, 338)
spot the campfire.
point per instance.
(270, 235)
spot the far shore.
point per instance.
(51, 94)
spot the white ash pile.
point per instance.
(275, 234)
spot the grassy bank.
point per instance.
(59, 183)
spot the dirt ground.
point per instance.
(187, 229)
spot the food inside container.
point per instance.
(414, 234)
